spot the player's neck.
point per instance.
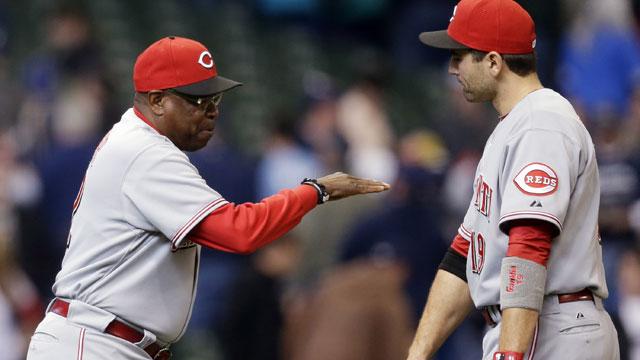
(512, 90)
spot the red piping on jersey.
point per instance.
(144, 118)
(81, 344)
(460, 245)
(530, 239)
(464, 232)
(247, 227)
(197, 218)
(531, 215)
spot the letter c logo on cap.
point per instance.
(206, 55)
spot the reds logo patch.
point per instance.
(537, 179)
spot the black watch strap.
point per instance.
(323, 195)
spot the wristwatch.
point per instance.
(508, 355)
(323, 195)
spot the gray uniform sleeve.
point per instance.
(539, 174)
(164, 192)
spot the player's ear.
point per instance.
(155, 99)
(495, 63)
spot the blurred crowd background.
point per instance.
(329, 85)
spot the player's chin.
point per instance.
(471, 96)
(199, 141)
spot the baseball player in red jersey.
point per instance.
(128, 278)
(527, 253)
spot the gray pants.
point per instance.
(580, 330)
(60, 338)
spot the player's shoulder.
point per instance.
(132, 138)
(545, 110)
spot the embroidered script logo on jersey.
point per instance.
(537, 179)
(484, 193)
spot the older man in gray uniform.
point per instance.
(527, 254)
(143, 213)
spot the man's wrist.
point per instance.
(323, 195)
(508, 355)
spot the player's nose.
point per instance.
(212, 111)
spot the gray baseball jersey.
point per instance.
(127, 253)
(539, 163)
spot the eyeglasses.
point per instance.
(202, 102)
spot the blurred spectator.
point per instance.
(10, 91)
(284, 162)
(630, 129)
(319, 131)
(363, 121)
(76, 127)
(410, 19)
(366, 307)
(406, 231)
(619, 187)
(629, 307)
(285, 8)
(70, 50)
(458, 189)
(549, 27)
(359, 312)
(600, 59)
(20, 305)
(69, 53)
(254, 318)
(464, 126)
(21, 308)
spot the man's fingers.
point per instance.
(340, 185)
(366, 186)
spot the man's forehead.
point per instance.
(460, 52)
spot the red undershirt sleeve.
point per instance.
(531, 239)
(460, 245)
(245, 228)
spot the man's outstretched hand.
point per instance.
(340, 185)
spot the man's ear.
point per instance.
(495, 63)
(156, 100)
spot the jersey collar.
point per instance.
(144, 118)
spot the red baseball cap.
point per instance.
(486, 25)
(183, 64)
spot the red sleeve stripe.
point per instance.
(196, 219)
(464, 232)
(532, 215)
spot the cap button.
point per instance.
(172, 37)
